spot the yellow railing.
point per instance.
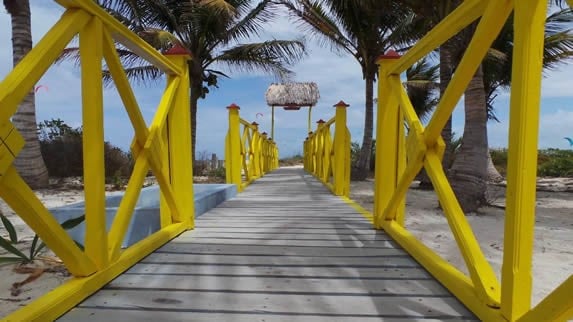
(250, 155)
(326, 158)
(165, 147)
(401, 156)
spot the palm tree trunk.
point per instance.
(29, 162)
(362, 168)
(195, 95)
(468, 173)
(492, 174)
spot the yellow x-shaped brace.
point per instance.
(11, 143)
(153, 150)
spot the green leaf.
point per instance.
(33, 246)
(71, 223)
(80, 246)
(11, 249)
(4, 260)
(42, 246)
(10, 228)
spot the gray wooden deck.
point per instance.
(283, 250)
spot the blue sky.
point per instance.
(338, 78)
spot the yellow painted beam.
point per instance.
(461, 17)
(387, 146)
(487, 30)
(93, 142)
(481, 273)
(529, 26)
(126, 207)
(179, 145)
(58, 301)
(234, 160)
(454, 280)
(557, 306)
(21, 80)
(18, 195)
(124, 88)
(123, 35)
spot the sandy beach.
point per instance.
(553, 256)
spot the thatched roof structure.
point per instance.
(292, 94)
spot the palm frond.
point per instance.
(253, 22)
(271, 57)
(140, 75)
(316, 22)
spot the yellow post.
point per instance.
(266, 152)
(389, 153)
(256, 151)
(233, 157)
(179, 140)
(341, 149)
(529, 26)
(311, 159)
(91, 55)
(319, 148)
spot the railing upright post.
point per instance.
(516, 280)
(255, 157)
(233, 148)
(265, 147)
(311, 152)
(341, 166)
(319, 148)
(390, 154)
(180, 161)
(91, 55)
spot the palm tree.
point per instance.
(212, 31)
(29, 162)
(422, 80)
(558, 49)
(364, 29)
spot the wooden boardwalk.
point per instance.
(283, 250)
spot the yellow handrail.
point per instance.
(250, 155)
(164, 149)
(401, 155)
(328, 159)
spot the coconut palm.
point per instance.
(558, 49)
(212, 31)
(364, 29)
(422, 82)
(29, 162)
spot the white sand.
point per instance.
(553, 255)
(553, 259)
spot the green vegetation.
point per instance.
(550, 162)
(292, 160)
(37, 244)
(62, 149)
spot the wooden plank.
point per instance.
(288, 236)
(360, 273)
(282, 261)
(352, 244)
(143, 315)
(301, 305)
(178, 246)
(423, 288)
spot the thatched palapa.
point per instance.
(292, 95)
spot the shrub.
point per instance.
(550, 162)
(62, 150)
